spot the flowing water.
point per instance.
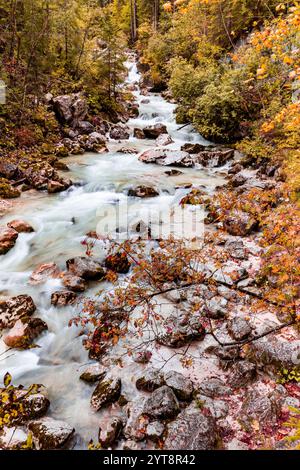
(61, 222)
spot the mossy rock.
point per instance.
(7, 191)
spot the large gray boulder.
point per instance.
(162, 404)
(192, 430)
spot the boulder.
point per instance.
(43, 273)
(7, 190)
(24, 331)
(61, 298)
(50, 434)
(34, 405)
(70, 108)
(167, 157)
(239, 223)
(192, 430)
(93, 373)
(15, 308)
(8, 170)
(137, 421)
(214, 387)
(163, 140)
(152, 132)
(74, 283)
(95, 142)
(181, 385)
(109, 431)
(119, 132)
(107, 391)
(180, 331)
(150, 380)
(85, 127)
(192, 149)
(242, 373)
(86, 268)
(236, 249)
(63, 107)
(55, 187)
(260, 407)
(236, 168)
(20, 226)
(143, 192)
(214, 157)
(118, 262)
(139, 133)
(162, 404)
(217, 408)
(237, 180)
(272, 351)
(8, 237)
(239, 328)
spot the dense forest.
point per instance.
(211, 89)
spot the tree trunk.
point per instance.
(133, 7)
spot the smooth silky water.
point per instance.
(61, 222)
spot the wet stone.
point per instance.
(162, 404)
(107, 391)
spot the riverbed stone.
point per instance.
(167, 157)
(272, 351)
(214, 387)
(109, 431)
(152, 132)
(50, 434)
(260, 407)
(240, 223)
(182, 386)
(214, 157)
(86, 268)
(55, 187)
(137, 421)
(143, 192)
(138, 133)
(43, 273)
(15, 308)
(239, 328)
(21, 226)
(219, 409)
(163, 140)
(24, 331)
(161, 404)
(192, 430)
(242, 373)
(119, 132)
(74, 283)
(93, 373)
(61, 298)
(8, 237)
(107, 392)
(150, 380)
(192, 149)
